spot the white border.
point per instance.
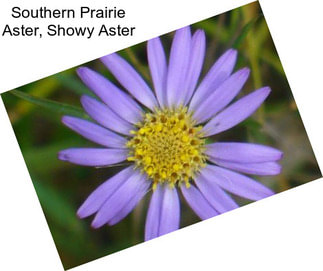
(283, 232)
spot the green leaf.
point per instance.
(244, 32)
(272, 59)
(58, 207)
(212, 29)
(59, 108)
(71, 82)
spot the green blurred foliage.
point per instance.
(35, 111)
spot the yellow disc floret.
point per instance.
(168, 146)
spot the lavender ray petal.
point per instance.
(218, 198)
(178, 66)
(130, 79)
(170, 211)
(242, 152)
(263, 169)
(131, 204)
(94, 132)
(222, 96)
(237, 112)
(119, 199)
(93, 156)
(96, 199)
(236, 183)
(158, 68)
(219, 72)
(105, 116)
(196, 63)
(121, 103)
(198, 202)
(153, 214)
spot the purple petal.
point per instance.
(220, 200)
(117, 100)
(219, 72)
(237, 112)
(120, 199)
(158, 68)
(170, 211)
(198, 202)
(93, 203)
(221, 96)
(105, 116)
(93, 156)
(131, 204)
(153, 215)
(163, 213)
(94, 132)
(236, 183)
(178, 66)
(264, 169)
(242, 152)
(196, 63)
(130, 79)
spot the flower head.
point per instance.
(168, 147)
(162, 134)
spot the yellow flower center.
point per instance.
(168, 146)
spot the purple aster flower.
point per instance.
(162, 134)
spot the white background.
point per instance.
(283, 232)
